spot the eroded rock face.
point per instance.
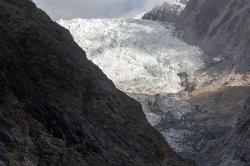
(57, 108)
(220, 28)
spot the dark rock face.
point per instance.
(57, 108)
(219, 27)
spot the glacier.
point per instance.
(139, 56)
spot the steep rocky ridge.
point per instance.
(57, 108)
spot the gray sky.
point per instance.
(95, 8)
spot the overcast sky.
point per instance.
(95, 8)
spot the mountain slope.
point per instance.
(220, 28)
(57, 108)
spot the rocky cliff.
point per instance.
(57, 108)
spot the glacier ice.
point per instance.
(177, 2)
(139, 56)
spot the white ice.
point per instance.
(139, 56)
